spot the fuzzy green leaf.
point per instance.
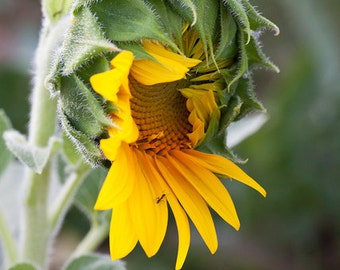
(129, 20)
(227, 42)
(84, 144)
(83, 110)
(257, 21)
(171, 21)
(256, 57)
(34, 157)
(242, 65)
(5, 155)
(95, 261)
(240, 14)
(85, 40)
(245, 91)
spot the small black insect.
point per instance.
(160, 198)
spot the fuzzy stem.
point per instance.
(8, 242)
(35, 231)
(66, 195)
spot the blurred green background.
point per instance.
(295, 156)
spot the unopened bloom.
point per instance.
(162, 108)
(148, 89)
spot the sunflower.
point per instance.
(162, 107)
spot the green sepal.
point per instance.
(207, 15)
(240, 14)
(5, 154)
(94, 261)
(85, 40)
(245, 91)
(191, 15)
(84, 111)
(69, 150)
(171, 21)
(214, 140)
(256, 57)
(258, 22)
(56, 9)
(227, 42)
(230, 112)
(129, 20)
(32, 156)
(217, 145)
(87, 146)
(242, 64)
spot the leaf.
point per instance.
(70, 151)
(129, 20)
(171, 21)
(34, 157)
(84, 144)
(207, 15)
(257, 21)
(240, 14)
(242, 64)
(95, 261)
(85, 40)
(227, 42)
(83, 110)
(256, 57)
(23, 266)
(5, 155)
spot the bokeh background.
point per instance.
(295, 156)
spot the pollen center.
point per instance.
(161, 116)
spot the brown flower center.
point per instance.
(161, 116)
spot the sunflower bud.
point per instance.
(151, 87)
(220, 35)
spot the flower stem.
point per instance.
(65, 197)
(35, 231)
(8, 241)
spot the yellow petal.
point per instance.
(120, 180)
(156, 49)
(208, 185)
(110, 146)
(198, 131)
(122, 237)
(181, 218)
(108, 83)
(123, 61)
(223, 166)
(147, 215)
(183, 229)
(168, 66)
(160, 199)
(191, 201)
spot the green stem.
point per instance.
(8, 241)
(66, 195)
(35, 231)
(92, 240)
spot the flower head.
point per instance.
(162, 111)
(148, 89)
